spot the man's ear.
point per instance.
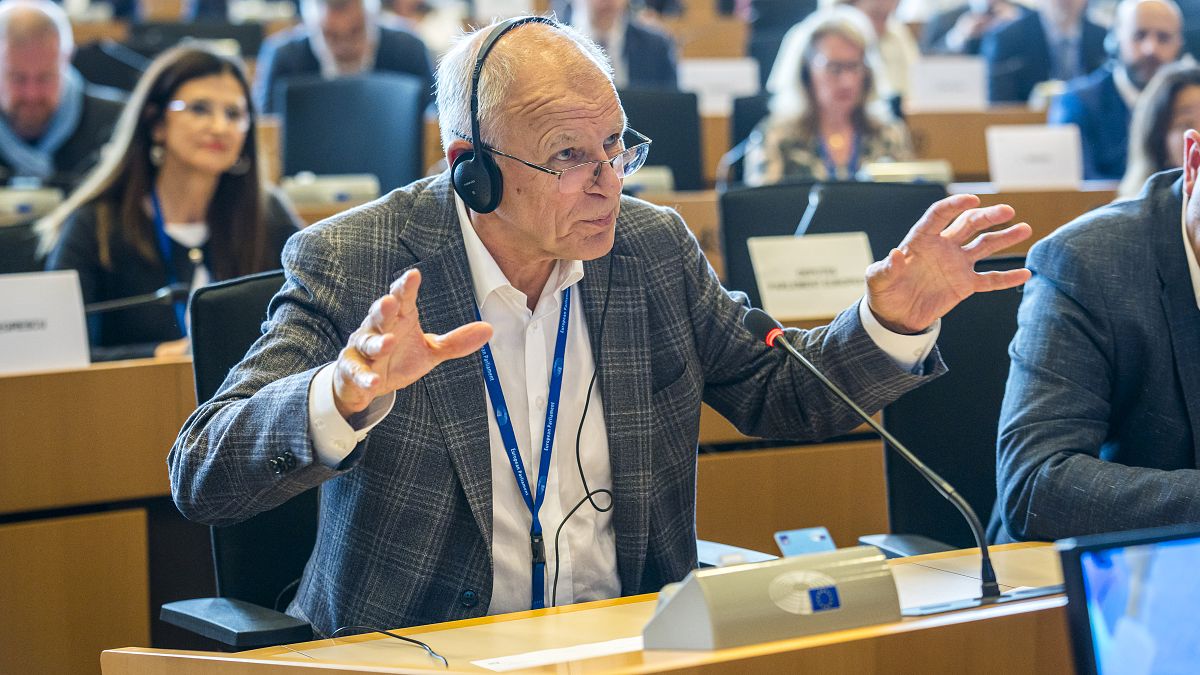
(457, 147)
(1191, 160)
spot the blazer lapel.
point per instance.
(455, 388)
(1179, 305)
(622, 350)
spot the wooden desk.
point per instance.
(959, 137)
(1026, 637)
(1047, 210)
(80, 452)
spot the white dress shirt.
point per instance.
(522, 347)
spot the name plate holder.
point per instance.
(722, 607)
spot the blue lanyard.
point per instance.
(168, 258)
(831, 168)
(533, 501)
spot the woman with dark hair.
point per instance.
(1169, 106)
(826, 120)
(177, 201)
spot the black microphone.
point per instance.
(177, 292)
(763, 327)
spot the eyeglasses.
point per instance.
(206, 111)
(837, 68)
(583, 176)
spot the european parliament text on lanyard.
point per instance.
(168, 258)
(533, 498)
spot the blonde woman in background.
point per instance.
(1168, 106)
(895, 43)
(826, 120)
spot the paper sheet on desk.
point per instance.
(545, 657)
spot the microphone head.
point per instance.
(762, 326)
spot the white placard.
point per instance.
(810, 277)
(941, 83)
(718, 81)
(41, 322)
(490, 10)
(1035, 157)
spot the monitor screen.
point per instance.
(1139, 605)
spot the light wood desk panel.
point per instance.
(1026, 637)
(959, 137)
(71, 587)
(93, 435)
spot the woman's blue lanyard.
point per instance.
(500, 409)
(831, 167)
(168, 258)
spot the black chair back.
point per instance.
(258, 559)
(770, 210)
(769, 22)
(18, 249)
(154, 37)
(950, 423)
(748, 111)
(381, 129)
(885, 211)
(672, 120)
(110, 64)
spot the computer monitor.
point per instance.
(1132, 600)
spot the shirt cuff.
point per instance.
(334, 438)
(908, 351)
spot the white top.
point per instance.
(522, 347)
(191, 236)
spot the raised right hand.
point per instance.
(389, 351)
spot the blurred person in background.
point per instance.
(960, 30)
(338, 38)
(825, 120)
(642, 56)
(1147, 35)
(1054, 42)
(1169, 106)
(897, 48)
(52, 123)
(177, 201)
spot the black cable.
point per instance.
(295, 582)
(589, 494)
(422, 645)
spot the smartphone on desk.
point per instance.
(805, 540)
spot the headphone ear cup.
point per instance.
(477, 180)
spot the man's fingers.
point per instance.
(373, 345)
(354, 371)
(992, 242)
(461, 341)
(943, 212)
(996, 281)
(977, 220)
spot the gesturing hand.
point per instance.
(933, 269)
(389, 351)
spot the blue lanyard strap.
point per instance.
(168, 258)
(851, 166)
(533, 500)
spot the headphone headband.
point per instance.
(485, 49)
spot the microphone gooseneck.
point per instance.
(763, 327)
(177, 292)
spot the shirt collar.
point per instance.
(486, 275)
(329, 65)
(1053, 34)
(1125, 87)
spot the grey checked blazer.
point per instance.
(1099, 427)
(406, 525)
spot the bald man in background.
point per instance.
(52, 123)
(1148, 35)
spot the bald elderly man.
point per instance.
(1149, 35)
(452, 363)
(52, 124)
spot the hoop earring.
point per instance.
(240, 167)
(156, 154)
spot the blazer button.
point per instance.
(469, 598)
(276, 465)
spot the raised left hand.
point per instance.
(933, 269)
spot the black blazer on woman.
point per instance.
(134, 333)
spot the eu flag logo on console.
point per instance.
(824, 598)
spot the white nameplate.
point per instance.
(491, 10)
(947, 83)
(1035, 157)
(810, 277)
(717, 82)
(41, 322)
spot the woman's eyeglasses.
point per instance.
(202, 110)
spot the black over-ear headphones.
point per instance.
(475, 176)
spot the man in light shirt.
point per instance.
(448, 469)
(1101, 418)
(338, 38)
(1149, 35)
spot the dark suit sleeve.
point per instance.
(1003, 68)
(766, 394)
(1051, 481)
(1069, 109)
(266, 76)
(933, 35)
